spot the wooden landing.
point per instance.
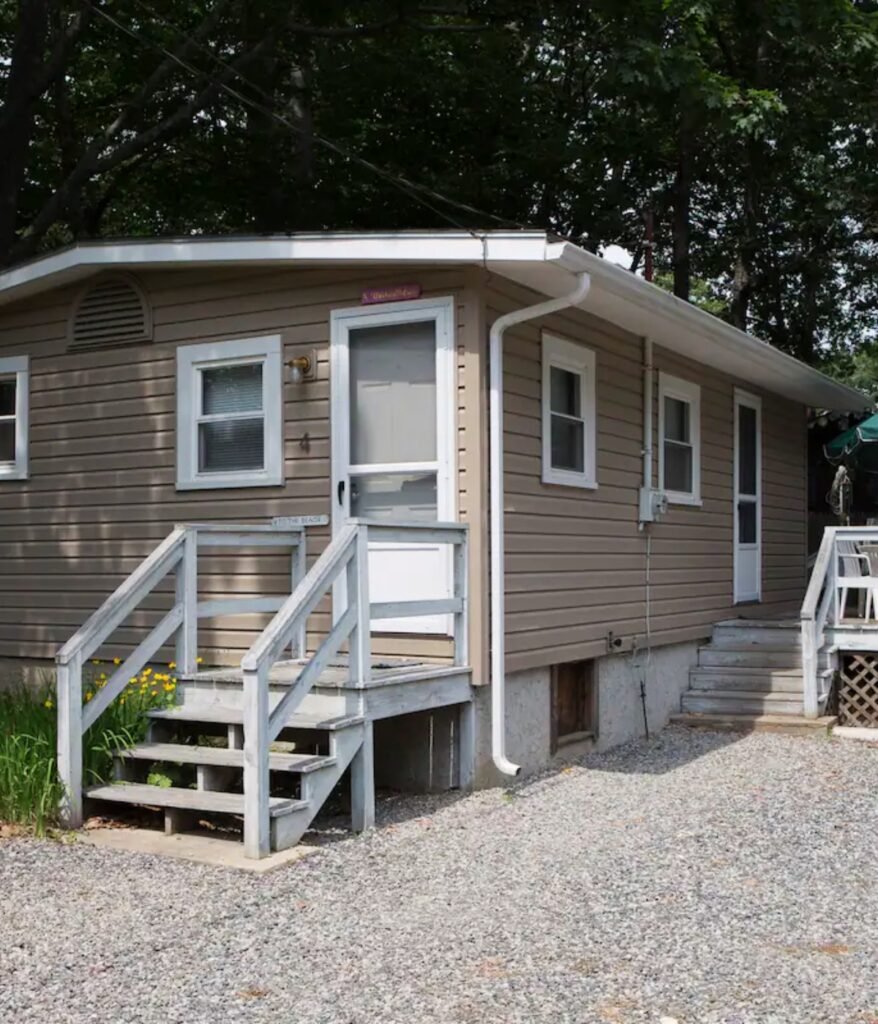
(397, 686)
(337, 675)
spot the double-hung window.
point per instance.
(13, 417)
(680, 440)
(568, 413)
(229, 414)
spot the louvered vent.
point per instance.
(112, 311)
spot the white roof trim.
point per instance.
(527, 257)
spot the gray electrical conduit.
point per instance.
(498, 609)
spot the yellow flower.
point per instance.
(155, 693)
(48, 703)
(172, 664)
(132, 681)
(95, 661)
(174, 680)
(103, 675)
(147, 671)
(88, 696)
(169, 687)
(117, 661)
(198, 661)
(121, 700)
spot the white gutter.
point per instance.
(498, 573)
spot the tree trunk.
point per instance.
(18, 112)
(682, 198)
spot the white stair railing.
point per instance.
(178, 554)
(348, 553)
(843, 565)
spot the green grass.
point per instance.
(30, 791)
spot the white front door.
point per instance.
(393, 386)
(748, 497)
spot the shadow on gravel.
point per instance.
(665, 752)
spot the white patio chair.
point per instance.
(855, 573)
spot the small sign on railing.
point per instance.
(298, 522)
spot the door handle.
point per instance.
(341, 492)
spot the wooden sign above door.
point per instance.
(390, 293)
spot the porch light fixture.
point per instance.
(300, 368)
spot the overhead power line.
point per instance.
(422, 194)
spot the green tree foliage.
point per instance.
(746, 127)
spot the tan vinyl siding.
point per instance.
(575, 558)
(101, 493)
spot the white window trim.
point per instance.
(192, 358)
(20, 367)
(567, 355)
(683, 391)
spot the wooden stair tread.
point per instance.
(732, 722)
(223, 757)
(187, 799)
(769, 695)
(221, 714)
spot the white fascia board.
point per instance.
(397, 247)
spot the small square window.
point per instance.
(229, 416)
(14, 397)
(569, 421)
(679, 440)
(574, 704)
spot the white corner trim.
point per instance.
(191, 358)
(20, 367)
(575, 358)
(689, 392)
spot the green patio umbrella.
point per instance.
(857, 445)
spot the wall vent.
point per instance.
(109, 312)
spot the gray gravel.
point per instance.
(699, 878)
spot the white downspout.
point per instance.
(498, 572)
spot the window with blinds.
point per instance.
(230, 414)
(14, 387)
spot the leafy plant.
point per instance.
(30, 790)
(159, 779)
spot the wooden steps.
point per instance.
(750, 669)
(221, 757)
(176, 798)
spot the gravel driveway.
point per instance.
(701, 878)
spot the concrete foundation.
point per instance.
(620, 714)
(620, 705)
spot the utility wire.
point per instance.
(412, 189)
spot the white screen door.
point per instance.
(393, 443)
(748, 497)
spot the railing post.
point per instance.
(257, 823)
(460, 591)
(68, 693)
(809, 668)
(360, 644)
(187, 595)
(299, 569)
